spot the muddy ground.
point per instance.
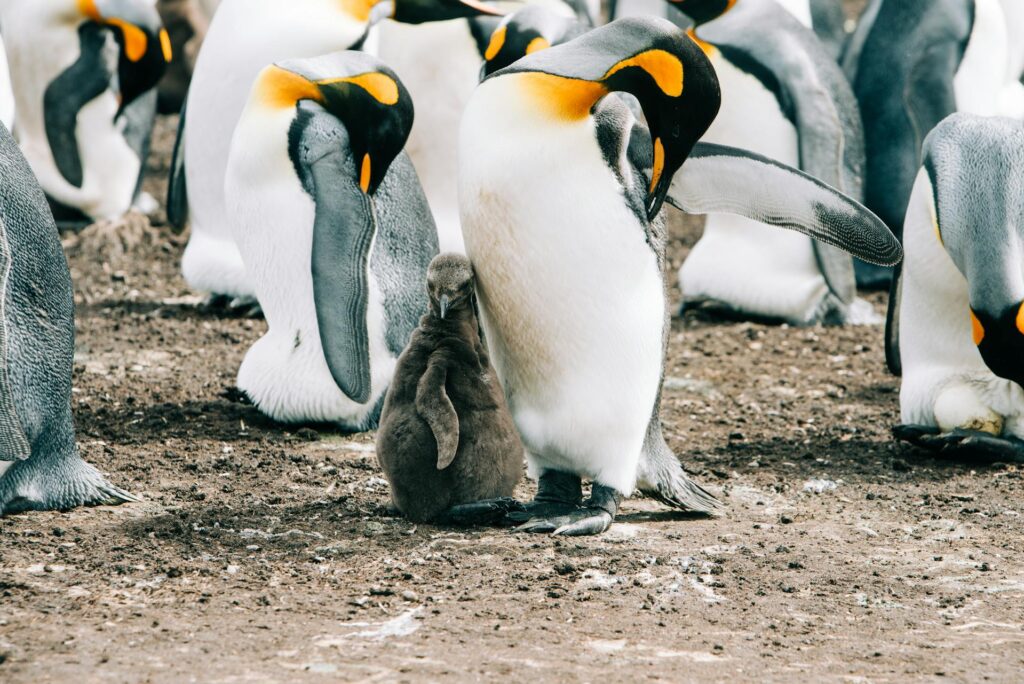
(266, 553)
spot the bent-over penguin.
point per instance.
(331, 221)
(912, 63)
(40, 467)
(84, 75)
(807, 117)
(961, 314)
(244, 37)
(447, 443)
(560, 191)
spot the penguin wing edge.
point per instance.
(723, 179)
(436, 408)
(14, 444)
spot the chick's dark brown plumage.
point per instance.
(446, 436)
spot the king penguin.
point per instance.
(7, 104)
(440, 65)
(961, 310)
(40, 467)
(84, 74)
(912, 63)
(332, 224)
(244, 37)
(560, 191)
(806, 116)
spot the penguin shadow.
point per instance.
(854, 461)
(211, 310)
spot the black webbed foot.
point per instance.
(486, 513)
(557, 494)
(968, 444)
(593, 517)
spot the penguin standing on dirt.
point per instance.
(244, 37)
(332, 224)
(446, 441)
(84, 75)
(40, 467)
(961, 309)
(806, 117)
(912, 63)
(560, 191)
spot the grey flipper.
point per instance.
(138, 118)
(85, 80)
(343, 231)
(893, 360)
(813, 93)
(14, 444)
(177, 190)
(716, 178)
(855, 43)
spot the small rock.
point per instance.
(410, 596)
(307, 434)
(565, 568)
(785, 519)
(381, 591)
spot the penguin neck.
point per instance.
(460, 323)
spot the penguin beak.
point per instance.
(420, 11)
(443, 306)
(1000, 338)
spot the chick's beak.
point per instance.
(444, 304)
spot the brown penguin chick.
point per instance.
(446, 442)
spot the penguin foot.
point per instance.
(243, 307)
(34, 486)
(558, 494)
(970, 444)
(488, 512)
(594, 517)
(115, 239)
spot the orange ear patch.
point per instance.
(536, 44)
(88, 8)
(664, 67)
(978, 330)
(165, 45)
(380, 86)
(497, 41)
(706, 47)
(281, 88)
(135, 40)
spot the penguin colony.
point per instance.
(329, 151)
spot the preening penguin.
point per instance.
(244, 37)
(806, 117)
(333, 226)
(912, 63)
(961, 314)
(37, 334)
(560, 190)
(446, 441)
(84, 75)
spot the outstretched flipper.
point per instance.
(434, 406)
(177, 189)
(716, 178)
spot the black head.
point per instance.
(526, 31)
(450, 284)
(1000, 339)
(649, 58)
(421, 11)
(703, 11)
(145, 47)
(361, 92)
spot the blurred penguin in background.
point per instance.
(961, 296)
(7, 103)
(244, 37)
(912, 63)
(806, 117)
(84, 74)
(186, 22)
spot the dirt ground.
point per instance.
(266, 553)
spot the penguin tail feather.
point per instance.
(111, 495)
(662, 478)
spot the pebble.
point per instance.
(410, 596)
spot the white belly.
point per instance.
(245, 37)
(945, 381)
(285, 372)
(750, 266)
(571, 294)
